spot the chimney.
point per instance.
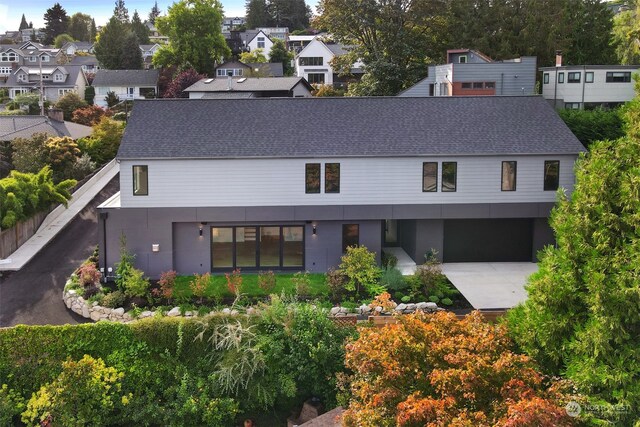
(56, 115)
(558, 58)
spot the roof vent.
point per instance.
(208, 81)
(242, 80)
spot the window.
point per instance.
(22, 77)
(293, 246)
(572, 105)
(312, 178)
(332, 177)
(222, 247)
(618, 77)
(449, 176)
(545, 78)
(141, 180)
(45, 58)
(315, 78)
(462, 59)
(33, 58)
(466, 85)
(429, 176)
(9, 57)
(5, 71)
(46, 77)
(478, 85)
(63, 91)
(224, 72)
(588, 77)
(350, 236)
(573, 77)
(560, 77)
(270, 246)
(489, 85)
(58, 77)
(260, 42)
(509, 176)
(246, 253)
(310, 60)
(551, 175)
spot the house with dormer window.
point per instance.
(56, 80)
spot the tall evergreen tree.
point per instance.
(155, 12)
(23, 23)
(56, 22)
(93, 31)
(139, 28)
(121, 12)
(108, 48)
(294, 14)
(256, 13)
(80, 26)
(131, 56)
(279, 53)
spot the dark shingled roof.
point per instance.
(126, 78)
(12, 127)
(340, 127)
(248, 84)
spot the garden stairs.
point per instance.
(60, 217)
(406, 265)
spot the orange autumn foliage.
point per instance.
(433, 370)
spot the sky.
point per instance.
(11, 10)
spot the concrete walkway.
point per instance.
(59, 218)
(405, 264)
(491, 285)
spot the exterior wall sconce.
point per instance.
(200, 230)
(155, 247)
(315, 231)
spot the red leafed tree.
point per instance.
(181, 81)
(89, 115)
(434, 370)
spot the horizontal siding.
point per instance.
(372, 181)
(512, 78)
(598, 91)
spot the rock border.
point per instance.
(365, 310)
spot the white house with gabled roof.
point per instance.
(313, 63)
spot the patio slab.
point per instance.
(491, 285)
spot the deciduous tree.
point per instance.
(70, 102)
(80, 27)
(61, 39)
(182, 81)
(626, 34)
(195, 37)
(255, 56)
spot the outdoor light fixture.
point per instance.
(315, 231)
(155, 247)
(200, 230)
(110, 270)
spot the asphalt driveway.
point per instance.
(33, 295)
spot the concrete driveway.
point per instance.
(491, 285)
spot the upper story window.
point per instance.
(45, 58)
(489, 85)
(5, 71)
(310, 60)
(509, 175)
(462, 59)
(33, 58)
(560, 77)
(551, 175)
(22, 77)
(315, 78)
(618, 77)
(429, 176)
(260, 42)
(573, 77)
(545, 78)
(312, 178)
(588, 77)
(332, 177)
(224, 72)
(449, 176)
(467, 85)
(8, 57)
(58, 77)
(140, 180)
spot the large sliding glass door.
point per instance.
(257, 247)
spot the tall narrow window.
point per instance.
(293, 246)
(560, 77)
(449, 176)
(269, 246)
(551, 175)
(429, 176)
(588, 77)
(312, 178)
(246, 247)
(350, 236)
(545, 78)
(141, 180)
(509, 176)
(332, 177)
(222, 247)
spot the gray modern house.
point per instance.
(471, 73)
(204, 186)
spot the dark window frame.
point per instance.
(144, 168)
(560, 77)
(466, 85)
(555, 185)
(515, 176)
(307, 188)
(478, 85)
(455, 178)
(327, 188)
(545, 79)
(344, 242)
(586, 76)
(571, 77)
(489, 85)
(435, 175)
(311, 61)
(625, 78)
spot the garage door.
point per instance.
(488, 240)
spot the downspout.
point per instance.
(501, 83)
(103, 217)
(584, 81)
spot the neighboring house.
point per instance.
(314, 64)
(267, 87)
(588, 86)
(126, 84)
(16, 36)
(471, 73)
(229, 24)
(89, 63)
(289, 183)
(72, 48)
(154, 34)
(240, 69)
(30, 34)
(280, 33)
(12, 127)
(257, 39)
(148, 50)
(14, 56)
(296, 43)
(56, 80)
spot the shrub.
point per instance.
(11, 405)
(112, 99)
(389, 260)
(29, 154)
(167, 283)
(82, 167)
(63, 154)
(234, 282)
(405, 299)
(89, 115)
(446, 301)
(267, 281)
(383, 301)
(336, 282)
(93, 293)
(88, 274)
(593, 125)
(70, 102)
(113, 299)
(136, 285)
(85, 393)
(360, 268)
(302, 283)
(125, 265)
(199, 285)
(392, 279)
(103, 143)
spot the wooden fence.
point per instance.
(12, 238)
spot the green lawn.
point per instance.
(218, 285)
